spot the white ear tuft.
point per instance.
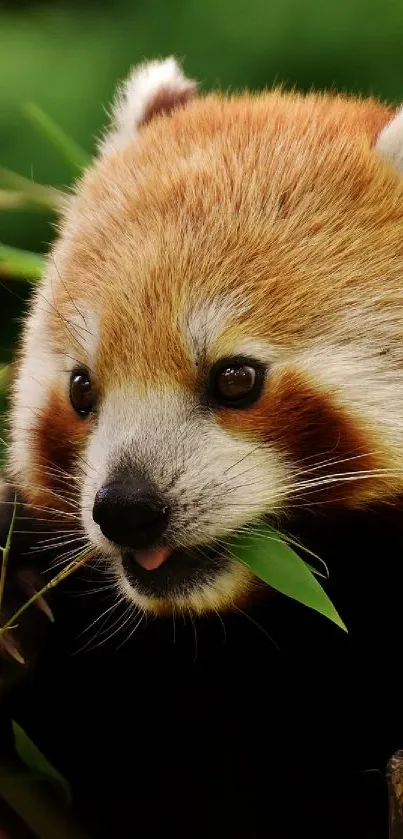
(390, 141)
(151, 88)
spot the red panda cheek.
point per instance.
(305, 425)
(58, 437)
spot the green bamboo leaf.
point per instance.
(12, 200)
(44, 813)
(296, 544)
(33, 758)
(273, 561)
(18, 192)
(65, 145)
(22, 264)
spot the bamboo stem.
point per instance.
(62, 575)
(6, 553)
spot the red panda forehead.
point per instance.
(274, 198)
(243, 152)
(269, 169)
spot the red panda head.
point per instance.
(218, 337)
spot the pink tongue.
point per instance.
(150, 559)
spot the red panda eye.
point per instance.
(236, 383)
(82, 395)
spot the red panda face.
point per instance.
(218, 337)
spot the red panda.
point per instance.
(218, 336)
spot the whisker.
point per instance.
(258, 626)
(120, 626)
(68, 556)
(222, 624)
(195, 635)
(133, 630)
(244, 457)
(54, 545)
(107, 611)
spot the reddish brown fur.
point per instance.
(58, 439)
(166, 100)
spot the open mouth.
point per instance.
(163, 571)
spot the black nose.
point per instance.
(130, 513)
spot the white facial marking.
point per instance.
(32, 386)
(253, 348)
(206, 323)
(390, 141)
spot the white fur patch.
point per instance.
(253, 348)
(390, 141)
(205, 324)
(32, 386)
(136, 96)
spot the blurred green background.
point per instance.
(67, 57)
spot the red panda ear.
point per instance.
(152, 88)
(390, 141)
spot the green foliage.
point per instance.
(67, 59)
(50, 131)
(33, 759)
(18, 263)
(32, 195)
(37, 792)
(269, 556)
